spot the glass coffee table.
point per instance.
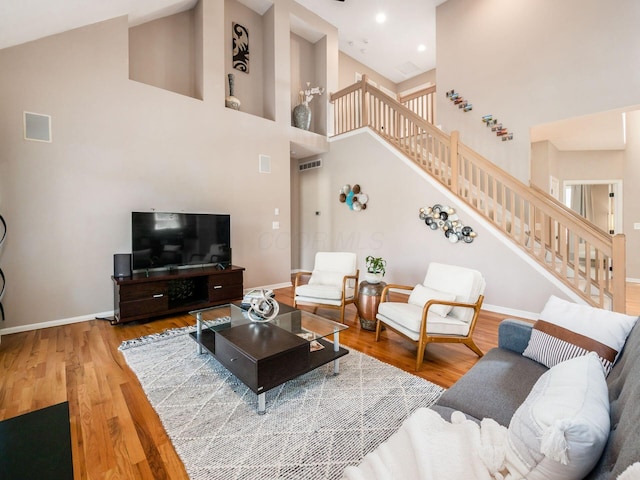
(265, 355)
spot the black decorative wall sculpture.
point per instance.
(240, 52)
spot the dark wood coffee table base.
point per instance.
(264, 356)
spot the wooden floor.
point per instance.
(115, 433)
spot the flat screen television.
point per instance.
(163, 240)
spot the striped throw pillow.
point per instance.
(567, 330)
(551, 344)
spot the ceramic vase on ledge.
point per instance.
(302, 116)
(231, 101)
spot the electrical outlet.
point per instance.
(276, 225)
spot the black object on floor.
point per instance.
(37, 445)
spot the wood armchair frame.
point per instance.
(344, 301)
(435, 338)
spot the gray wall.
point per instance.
(531, 62)
(121, 145)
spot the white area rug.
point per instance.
(314, 427)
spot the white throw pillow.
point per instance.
(567, 330)
(421, 295)
(561, 429)
(324, 277)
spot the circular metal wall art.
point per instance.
(444, 218)
(353, 197)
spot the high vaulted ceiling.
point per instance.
(389, 48)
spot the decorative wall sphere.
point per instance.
(453, 238)
(346, 189)
(363, 198)
(433, 226)
(356, 188)
(364, 206)
(428, 220)
(444, 215)
(466, 230)
(343, 198)
(422, 216)
(467, 238)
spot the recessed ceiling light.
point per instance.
(422, 47)
(381, 18)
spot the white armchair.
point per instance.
(444, 308)
(332, 284)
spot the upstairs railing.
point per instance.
(585, 258)
(422, 103)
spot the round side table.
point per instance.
(369, 296)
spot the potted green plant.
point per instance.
(376, 268)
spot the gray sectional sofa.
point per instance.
(501, 381)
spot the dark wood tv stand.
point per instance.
(158, 293)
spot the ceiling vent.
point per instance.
(408, 68)
(310, 164)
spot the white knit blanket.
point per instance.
(426, 447)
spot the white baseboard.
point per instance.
(54, 323)
(633, 280)
(510, 312)
(274, 286)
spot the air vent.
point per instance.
(408, 68)
(310, 164)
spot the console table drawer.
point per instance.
(155, 304)
(143, 291)
(225, 286)
(223, 292)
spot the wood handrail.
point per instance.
(547, 203)
(578, 253)
(394, 104)
(576, 220)
(417, 94)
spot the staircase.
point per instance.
(583, 257)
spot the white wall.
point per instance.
(390, 226)
(531, 62)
